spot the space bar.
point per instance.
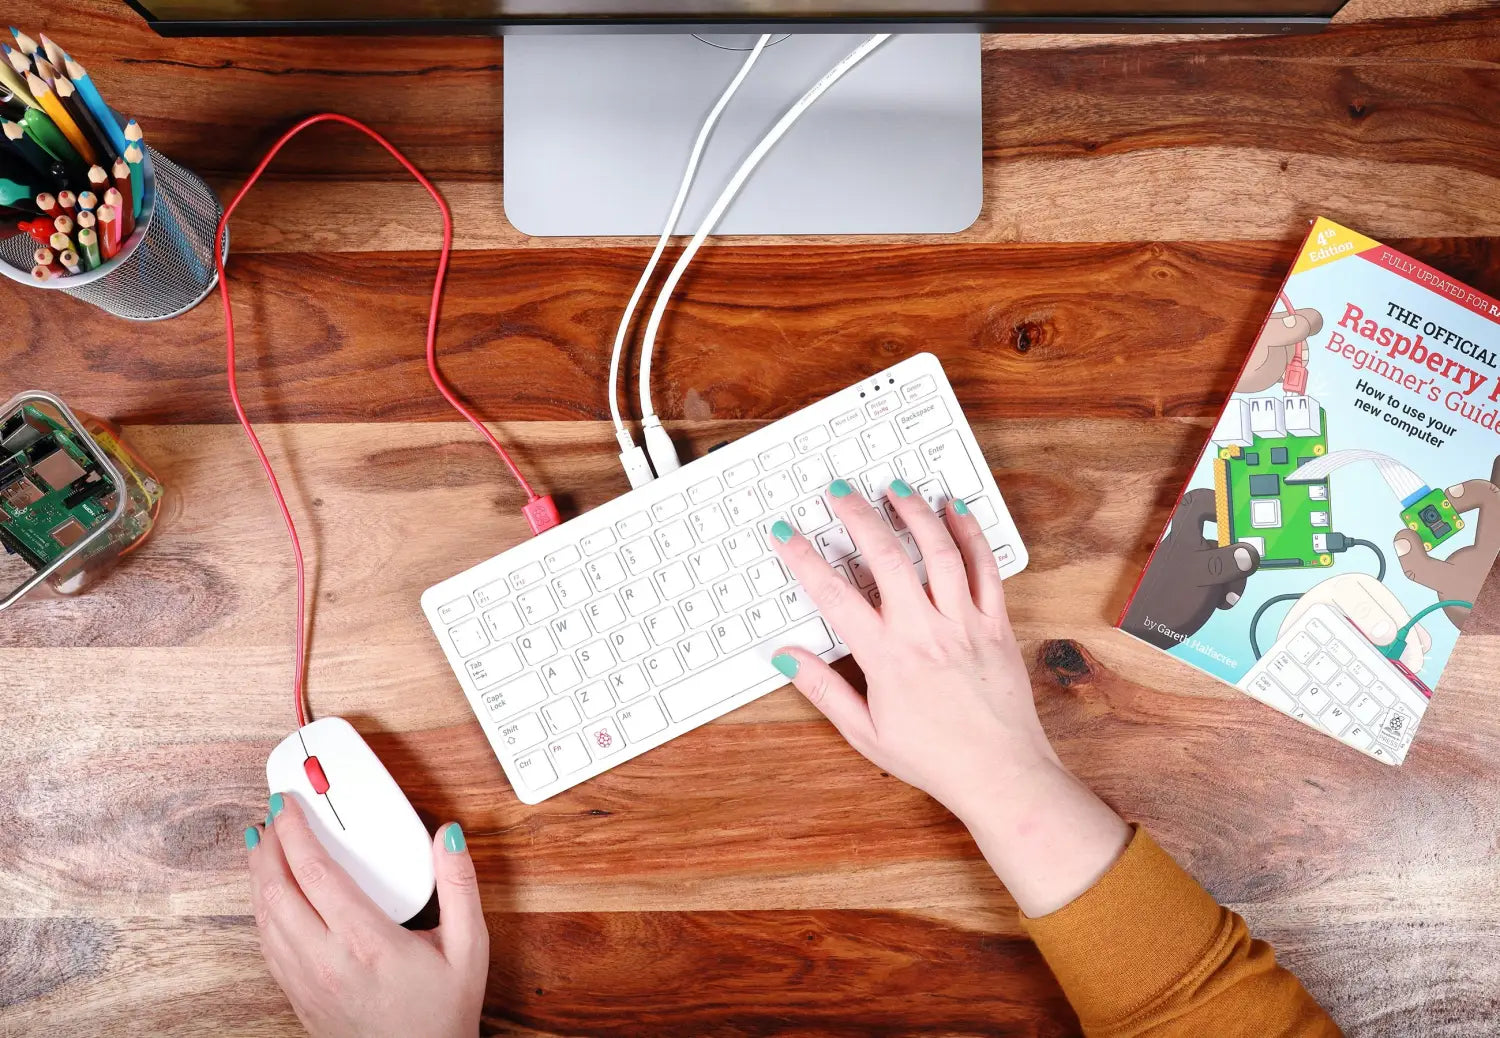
(737, 673)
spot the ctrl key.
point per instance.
(535, 770)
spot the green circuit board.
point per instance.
(1433, 518)
(1256, 504)
(53, 493)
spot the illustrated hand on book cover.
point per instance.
(1460, 576)
(1277, 347)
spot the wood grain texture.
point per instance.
(1144, 197)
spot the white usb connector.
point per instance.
(660, 446)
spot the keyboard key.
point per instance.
(947, 457)
(629, 642)
(891, 516)
(768, 575)
(562, 558)
(1302, 647)
(742, 547)
(597, 541)
(812, 474)
(664, 626)
(595, 699)
(881, 406)
(509, 700)
(918, 388)
(1313, 699)
(1322, 667)
(908, 467)
(846, 458)
(491, 593)
(1340, 652)
(640, 556)
(923, 420)
(595, 658)
(834, 543)
(877, 480)
(562, 715)
(535, 770)
(663, 667)
(675, 539)
(741, 472)
(731, 634)
(863, 578)
(498, 664)
(571, 588)
(707, 490)
(1361, 673)
(561, 675)
(796, 602)
(604, 613)
(1265, 688)
(1319, 630)
(743, 506)
(1358, 737)
(568, 755)
(503, 621)
(728, 678)
(627, 684)
(984, 513)
(469, 637)
(697, 650)
(522, 732)
(731, 593)
(1381, 693)
(698, 609)
(933, 493)
(1335, 719)
(527, 575)
(603, 738)
(632, 525)
(775, 457)
(457, 609)
(667, 507)
(1344, 688)
(811, 515)
(708, 564)
(709, 522)
(569, 629)
(847, 422)
(1286, 671)
(673, 581)
(880, 440)
(1364, 708)
(639, 597)
(537, 646)
(536, 604)
(641, 721)
(779, 489)
(812, 438)
(1004, 555)
(765, 618)
(605, 572)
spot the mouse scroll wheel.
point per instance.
(315, 775)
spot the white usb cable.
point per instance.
(658, 444)
(637, 469)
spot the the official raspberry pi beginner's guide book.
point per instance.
(1338, 526)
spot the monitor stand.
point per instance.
(597, 130)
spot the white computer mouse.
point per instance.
(358, 812)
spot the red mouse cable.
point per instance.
(540, 511)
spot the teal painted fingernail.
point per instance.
(900, 488)
(960, 507)
(252, 838)
(840, 488)
(453, 838)
(786, 663)
(277, 803)
(781, 530)
(268, 818)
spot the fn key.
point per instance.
(725, 680)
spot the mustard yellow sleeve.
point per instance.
(1147, 951)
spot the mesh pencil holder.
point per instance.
(166, 266)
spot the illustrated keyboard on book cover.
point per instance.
(1324, 672)
(660, 610)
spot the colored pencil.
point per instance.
(15, 86)
(98, 180)
(135, 155)
(42, 130)
(17, 60)
(90, 94)
(47, 203)
(55, 54)
(46, 258)
(26, 43)
(70, 261)
(32, 153)
(109, 232)
(67, 93)
(60, 242)
(67, 202)
(125, 189)
(87, 200)
(41, 273)
(116, 201)
(88, 247)
(48, 99)
(63, 224)
(46, 71)
(86, 218)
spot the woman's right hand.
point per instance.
(949, 707)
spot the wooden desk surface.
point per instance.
(1144, 197)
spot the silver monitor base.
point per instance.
(598, 129)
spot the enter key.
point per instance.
(945, 455)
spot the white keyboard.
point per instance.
(660, 610)
(1326, 674)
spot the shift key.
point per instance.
(729, 678)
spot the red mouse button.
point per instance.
(315, 775)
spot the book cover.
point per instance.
(1328, 546)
